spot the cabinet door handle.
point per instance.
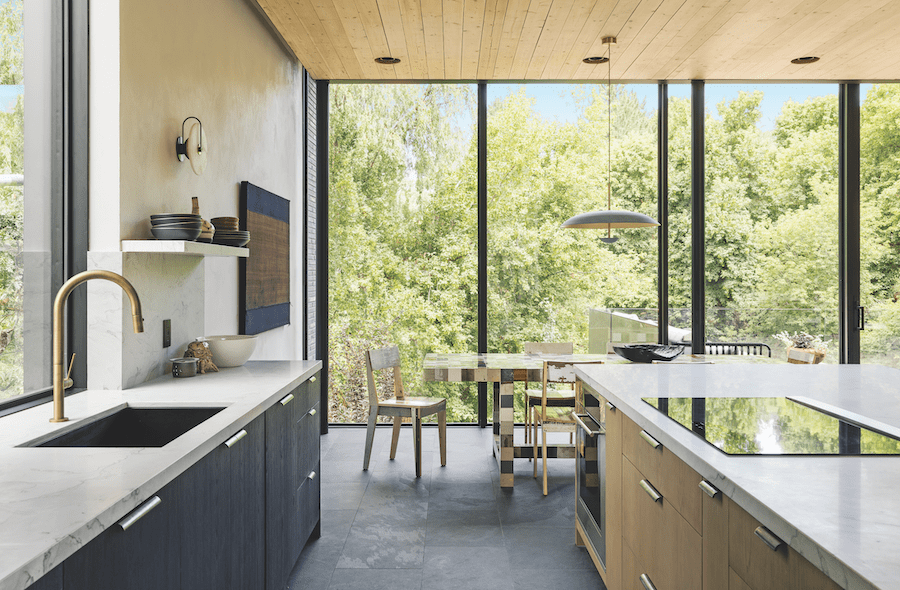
(286, 399)
(312, 475)
(610, 406)
(651, 491)
(768, 538)
(312, 412)
(646, 583)
(233, 440)
(650, 440)
(584, 426)
(312, 379)
(139, 513)
(707, 487)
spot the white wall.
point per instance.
(154, 63)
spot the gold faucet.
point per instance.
(59, 305)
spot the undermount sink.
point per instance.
(132, 427)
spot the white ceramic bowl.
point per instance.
(231, 351)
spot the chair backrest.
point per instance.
(383, 358)
(738, 348)
(548, 347)
(562, 372)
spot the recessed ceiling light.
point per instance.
(805, 60)
(595, 60)
(387, 60)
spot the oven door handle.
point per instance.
(600, 429)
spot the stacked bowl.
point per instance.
(175, 226)
(227, 232)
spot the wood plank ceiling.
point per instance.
(547, 39)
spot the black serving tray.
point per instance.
(645, 353)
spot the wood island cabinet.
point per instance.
(236, 519)
(681, 535)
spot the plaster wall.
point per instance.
(218, 61)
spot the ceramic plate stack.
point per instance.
(175, 226)
(227, 232)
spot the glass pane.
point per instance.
(25, 249)
(402, 237)
(772, 213)
(879, 223)
(549, 159)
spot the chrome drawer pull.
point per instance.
(286, 399)
(651, 491)
(312, 379)
(584, 426)
(610, 406)
(312, 412)
(646, 583)
(139, 512)
(708, 488)
(312, 475)
(233, 440)
(768, 538)
(650, 440)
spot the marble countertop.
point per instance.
(840, 513)
(54, 500)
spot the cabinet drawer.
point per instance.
(309, 503)
(631, 570)
(674, 479)
(307, 432)
(668, 548)
(762, 568)
(310, 391)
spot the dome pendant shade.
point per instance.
(609, 219)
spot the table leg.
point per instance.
(504, 430)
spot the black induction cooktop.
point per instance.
(776, 426)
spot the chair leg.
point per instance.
(544, 455)
(370, 437)
(534, 445)
(395, 436)
(442, 435)
(527, 420)
(417, 441)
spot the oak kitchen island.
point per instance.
(834, 520)
(230, 503)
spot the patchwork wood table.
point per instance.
(503, 370)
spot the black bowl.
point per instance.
(645, 353)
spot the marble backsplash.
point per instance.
(170, 287)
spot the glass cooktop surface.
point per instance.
(775, 426)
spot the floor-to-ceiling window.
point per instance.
(771, 213)
(402, 235)
(26, 241)
(548, 158)
(880, 223)
(679, 212)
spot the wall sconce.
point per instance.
(194, 148)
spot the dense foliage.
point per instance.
(403, 223)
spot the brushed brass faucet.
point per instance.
(59, 305)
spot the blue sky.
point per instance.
(8, 96)
(554, 101)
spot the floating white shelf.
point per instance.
(183, 247)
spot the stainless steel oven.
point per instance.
(590, 481)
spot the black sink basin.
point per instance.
(134, 427)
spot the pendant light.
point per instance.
(609, 218)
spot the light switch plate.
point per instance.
(167, 333)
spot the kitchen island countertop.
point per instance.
(842, 513)
(54, 500)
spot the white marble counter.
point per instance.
(840, 513)
(54, 500)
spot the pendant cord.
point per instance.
(609, 136)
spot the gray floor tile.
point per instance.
(382, 547)
(544, 547)
(353, 579)
(472, 568)
(548, 579)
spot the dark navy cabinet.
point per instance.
(237, 519)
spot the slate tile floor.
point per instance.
(453, 528)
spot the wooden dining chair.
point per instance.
(556, 397)
(555, 418)
(401, 406)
